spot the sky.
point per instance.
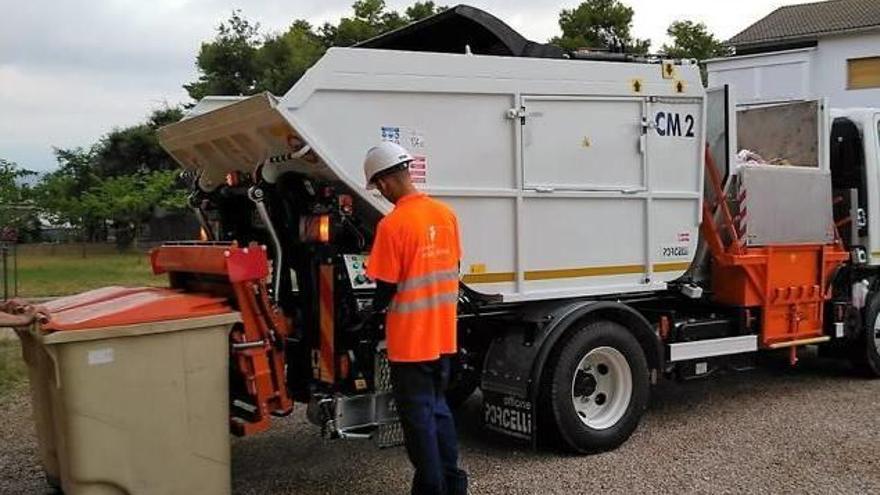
(72, 70)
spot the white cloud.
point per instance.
(71, 70)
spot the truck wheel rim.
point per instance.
(601, 388)
(877, 334)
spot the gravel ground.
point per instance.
(773, 430)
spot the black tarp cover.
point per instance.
(459, 27)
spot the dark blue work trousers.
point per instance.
(428, 427)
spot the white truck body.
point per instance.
(570, 178)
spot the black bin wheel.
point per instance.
(599, 387)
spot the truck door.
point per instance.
(594, 144)
(676, 144)
(617, 178)
(584, 182)
(849, 180)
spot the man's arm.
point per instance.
(384, 293)
(18, 320)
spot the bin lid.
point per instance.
(119, 306)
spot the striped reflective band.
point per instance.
(425, 280)
(593, 271)
(423, 304)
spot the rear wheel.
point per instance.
(866, 351)
(598, 388)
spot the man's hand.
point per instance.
(18, 314)
(22, 319)
(11, 306)
(371, 322)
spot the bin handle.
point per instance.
(53, 355)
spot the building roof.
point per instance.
(809, 21)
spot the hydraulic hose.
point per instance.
(195, 203)
(256, 195)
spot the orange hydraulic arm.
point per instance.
(257, 345)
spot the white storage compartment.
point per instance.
(569, 177)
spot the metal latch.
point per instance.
(517, 113)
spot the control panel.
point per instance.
(356, 266)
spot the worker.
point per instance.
(415, 263)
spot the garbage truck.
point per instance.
(610, 237)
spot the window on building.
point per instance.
(863, 73)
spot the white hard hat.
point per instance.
(383, 157)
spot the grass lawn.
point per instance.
(61, 272)
(12, 367)
(44, 275)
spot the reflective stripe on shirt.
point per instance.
(426, 280)
(425, 303)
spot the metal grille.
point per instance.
(386, 434)
(382, 372)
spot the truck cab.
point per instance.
(855, 171)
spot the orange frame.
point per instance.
(257, 345)
(789, 283)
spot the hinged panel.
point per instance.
(583, 143)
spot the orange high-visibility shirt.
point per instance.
(417, 247)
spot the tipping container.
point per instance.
(129, 390)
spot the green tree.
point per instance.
(17, 209)
(127, 201)
(228, 64)
(692, 40)
(238, 61)
(370, 19)
(136, 149)
(78, 164)
(283, 59)
(13, 182)
(420, 10)
(599, 24)
(165, 115)
(55, 197)
(59, 193)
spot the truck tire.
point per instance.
(599, 387)
(865, 354)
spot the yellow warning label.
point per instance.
(478, 268)
(637, 85)
(669, 70)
